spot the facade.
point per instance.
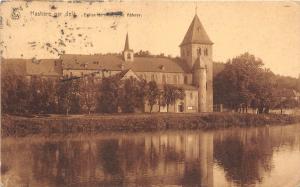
(193, 71)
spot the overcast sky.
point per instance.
(269, 30)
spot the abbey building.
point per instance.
(193, 71)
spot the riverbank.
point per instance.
(22, 126)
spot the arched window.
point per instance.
(199, 51)
(205, 52)
(164, 81)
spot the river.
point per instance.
(266, 156)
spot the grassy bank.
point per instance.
(21, 126)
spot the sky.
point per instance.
(39, 29)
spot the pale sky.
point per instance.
(269, 30)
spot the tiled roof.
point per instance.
(43, 67)
(196, 34)
(15, 66)
(46, 67)
(114, 63)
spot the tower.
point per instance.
(200, 76)
(196, 51)
(127, 52)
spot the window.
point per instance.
(185, 79)
(199, 51)
(191, 95)
(206, 52)
(164, 81)
(128, 56)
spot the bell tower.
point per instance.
(196, 48)
(127, 52)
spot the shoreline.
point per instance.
(59, 124)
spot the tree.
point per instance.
(14, 93)
(171, 94)
(152, 94)
(51, 102)
(7, 93)
(264, 90)
(142, 53)
(88, 93)
(232, 85)
(244, 83)
(108, 97)
(132, 95)
(42, 95)
(141, 94)
(68, 96)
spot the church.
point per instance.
(192, 71)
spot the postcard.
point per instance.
(153, 93)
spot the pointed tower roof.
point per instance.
(196, 34)
(126, 48)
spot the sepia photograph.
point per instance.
(150, 93)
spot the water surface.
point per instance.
(265, 156)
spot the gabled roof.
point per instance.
(116, 63)
(126, 74)
(196, 34)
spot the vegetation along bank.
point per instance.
(22, 126)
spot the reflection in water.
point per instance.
(245, 156)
